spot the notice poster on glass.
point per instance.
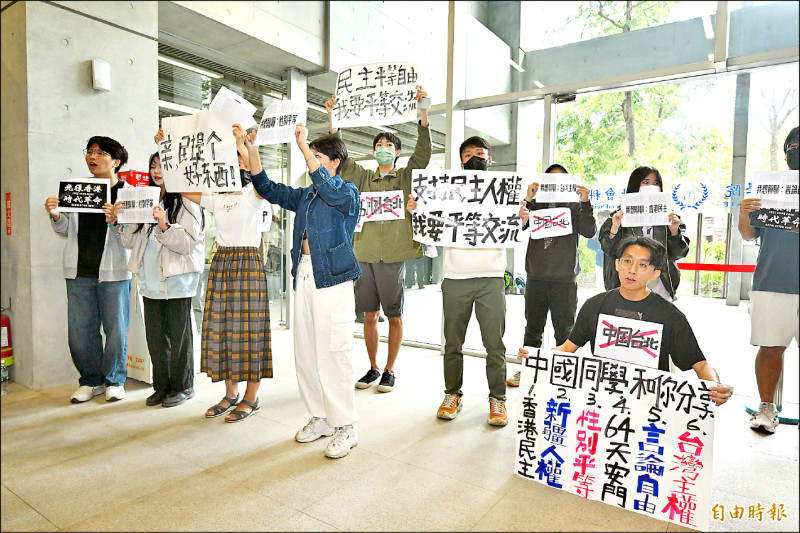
(85, 195)
(468, 208)
(636, 438)
(646, 209)
(376, 94)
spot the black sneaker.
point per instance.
(387, 382)
(156, 398)
(178, 398)
(369, 379)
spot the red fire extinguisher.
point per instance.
(7, 349)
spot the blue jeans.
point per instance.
(90, 304)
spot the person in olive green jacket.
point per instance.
(381, 247)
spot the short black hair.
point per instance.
(475, 141)
(658, 253)
(554, 166)
(639, 174)
(111, 147)
(333, 147)
(793, 136)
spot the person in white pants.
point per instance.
(323, 270)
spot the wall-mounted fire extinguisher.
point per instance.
(7, 349)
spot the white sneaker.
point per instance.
(114, 393)
(316, 428)
(766, 419)
(514, 380)
(86, 393)
(343, 439)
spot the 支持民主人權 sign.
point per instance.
(468, 208)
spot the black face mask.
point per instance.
(792, 156)
(245, 176)
(476, 163)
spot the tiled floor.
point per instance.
(127, 467)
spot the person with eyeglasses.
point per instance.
(639, 260)
(98, 281)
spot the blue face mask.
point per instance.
(384, 155)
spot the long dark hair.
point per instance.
(639, 174)
(173, 201)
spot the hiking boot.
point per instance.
(450, 407)
(513, 381)
(497, 412)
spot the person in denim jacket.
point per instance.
(324, 268)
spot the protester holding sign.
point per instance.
(646, 179)
(773, 297)
(473, 277)
(552, 265)
(323, 267)
(98, 284)
(382, 246)
(167, 258)
(236, 344)
(639, 260)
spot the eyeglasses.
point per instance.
(98, 153)
(641, 265)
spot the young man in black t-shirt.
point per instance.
(639, 260)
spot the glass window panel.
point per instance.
(757, 27)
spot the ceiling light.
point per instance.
(187, 66)
(538, 83)
(178, 107)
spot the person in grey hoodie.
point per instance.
(167, 258)
(98, 281)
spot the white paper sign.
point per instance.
(279, 120)
(198, 153)
(628, 340)
(468, 208)
(636, 438)
(557, 188)
(376, 94)
(551, 222)
(646, 209)
(777, 190)
(86, 195)
(381, 205)
(235, 108)
(138, 203)
(266, 217)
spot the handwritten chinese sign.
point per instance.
(557, 188)
(632, 341)
(634, 437)
(376, 94)
(279, 120)
(83, 196)
(468, 209)
(553, 222)
(138, 203)
(383, 205)
(646, 209)
(198, 153)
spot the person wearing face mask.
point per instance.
(552, 265)
(167, 257)
(324, 268)
(236, 340)
(773, 298)
(473, 277)
(382, 247)
(673, 236)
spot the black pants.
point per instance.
(168, 328)
(560, 298)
